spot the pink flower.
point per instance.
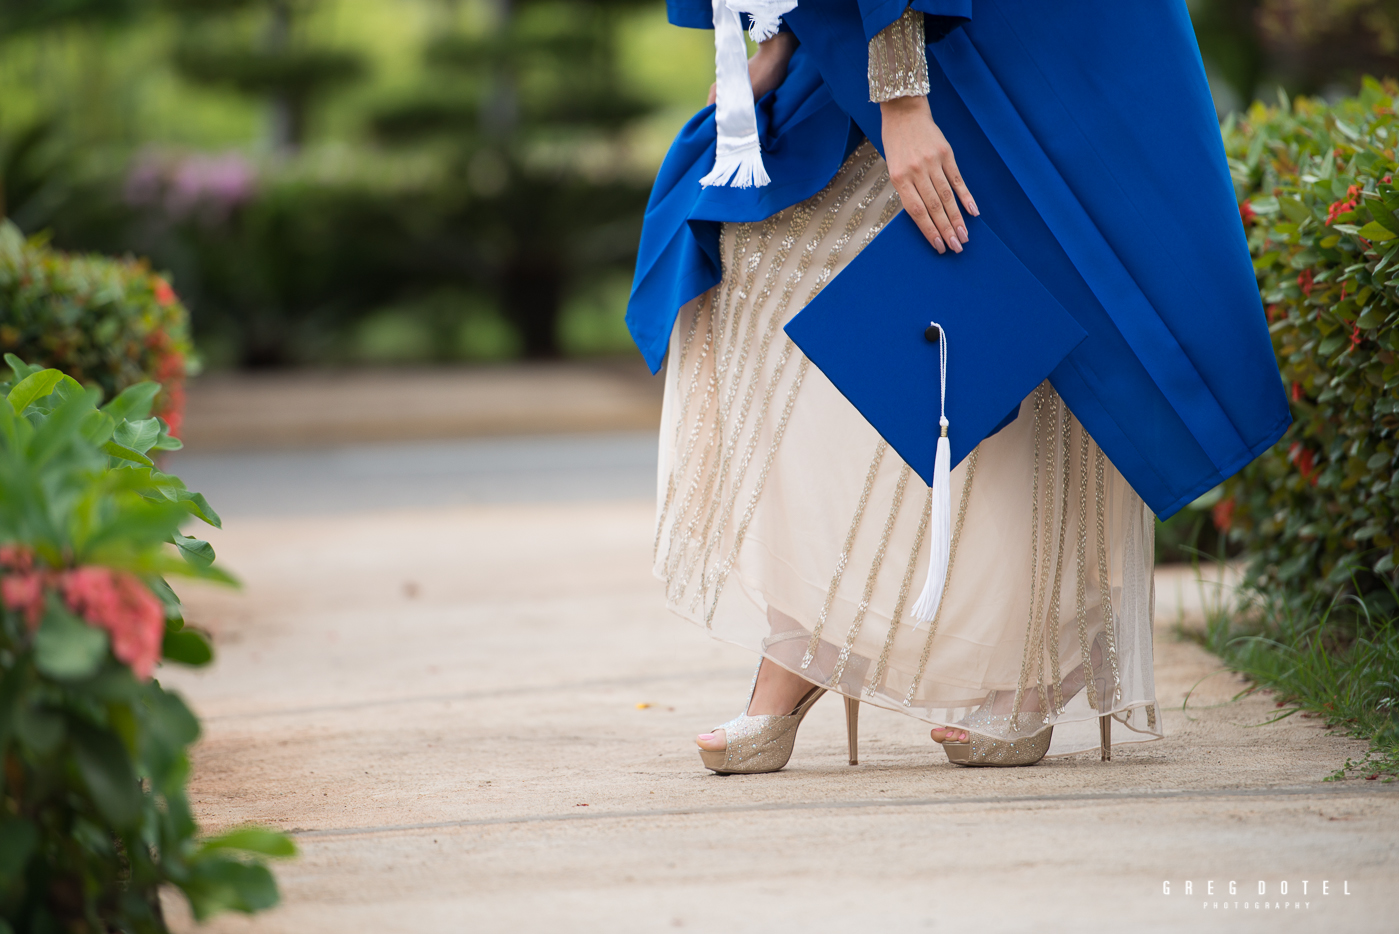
(24, 593)
(119, 603)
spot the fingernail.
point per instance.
(976, 211)
(937, 242)
(962, 232)
(706, 736)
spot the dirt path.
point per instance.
(447, 709)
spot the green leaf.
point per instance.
(197, 504)
(107, 771)
(1373, 316)
(223, 884)
(139, 436)
(126, 453)
(196, 551)
(60, 430)
(187, 647)
(134, 402)
(67, 648)
(17, 840)
(1376, 232)
(34, 386)
(39, 729)
(257, 840)
(20, 368)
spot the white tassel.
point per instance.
(925, 610)
(738, 168)
(738, 158)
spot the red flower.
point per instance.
(1343, 206)
(1246, 212)
(24, 593)
(1355, 336)
(1305, 461)
(1304, 280)
(1386, 179)
(1296, 392)
(119, 603)
(1223, 514)
(164, 295)
(1273, 312)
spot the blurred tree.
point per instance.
(258, 48)
(18, 16)
(531, 113)
(1307, 46)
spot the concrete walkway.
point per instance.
(474, 715)
(480, 718)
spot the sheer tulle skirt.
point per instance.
(786, 525)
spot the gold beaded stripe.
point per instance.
(1104, 585)
(1030, 624)
(1082, 597)
(1050, 513)
(844, 558)
(741, 240)
(904, 587)
(677, 467)
(796, 228)
(800, 218)
(715, 486)
(715, 578)
(774, 321)
(1056, 678)
(761, 480)
(947, 581)
(716, 433)
(875, 564)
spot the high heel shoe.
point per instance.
(980, 749)
(1030, 747)
(764, 743)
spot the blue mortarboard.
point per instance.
(865, 332)
(1000, 333)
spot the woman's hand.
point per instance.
(768, 66)
(924, 172)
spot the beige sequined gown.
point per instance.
(787, 526)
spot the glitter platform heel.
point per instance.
(764, 743)
(1029, 734)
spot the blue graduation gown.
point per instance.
(1086, 131)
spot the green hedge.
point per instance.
(105, 322)
(94, 818)
(1317, 192)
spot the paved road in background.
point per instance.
(370, 477)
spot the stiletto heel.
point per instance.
(1105, 736)
(852, 729)
(761, 743)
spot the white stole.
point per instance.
(738, 160)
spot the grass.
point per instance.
(1336, 661)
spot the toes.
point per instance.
(713, 741)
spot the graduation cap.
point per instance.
(934, 350)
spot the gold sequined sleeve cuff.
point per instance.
(899, 59)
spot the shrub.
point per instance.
(93, 814)
(110, 323)
(1318, 196)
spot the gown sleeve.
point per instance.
(898, 59)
